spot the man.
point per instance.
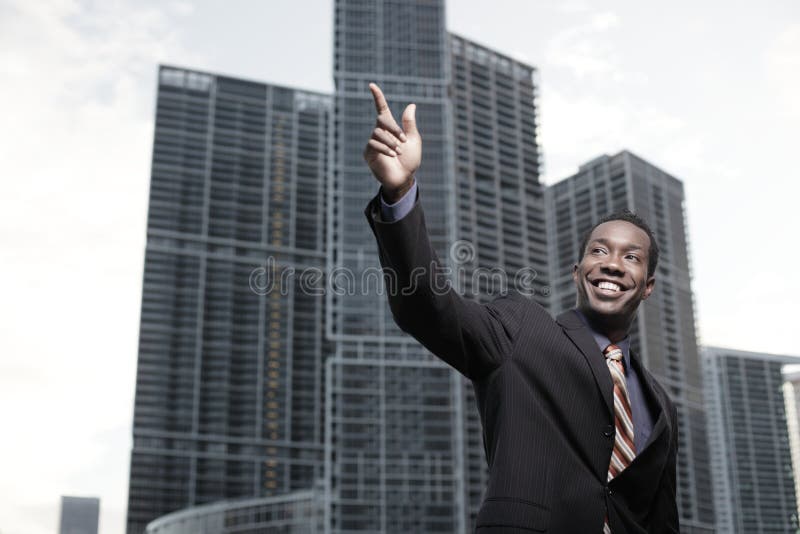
(579, 436)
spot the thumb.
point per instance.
(410, 120)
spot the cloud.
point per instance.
(578, 127)
(770, 285)
(77, 82)
(604, 21)
(573, 7)
(581, 49)
(782, 66)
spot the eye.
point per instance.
(632, 257)
(597, 250)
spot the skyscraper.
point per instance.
(500, 232)
(754, 487)
(499, 199)
(403, 47)
(229, 382)
(395, 462)
(664, 331)
(791, 395)
(79, 515)
(404, 437)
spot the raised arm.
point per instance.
(471, 337)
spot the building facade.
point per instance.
(664, 332)
(79, 515)
(499, 198)
(298, 512)
(395, 460)
(754, 486)
(501, 239)
(229, 381)
(404, 439)
(791, 395)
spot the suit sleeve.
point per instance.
(471, 337)
(399, 209)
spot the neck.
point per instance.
(615, 329)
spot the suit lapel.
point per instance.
(582, 338)
(658, 428)
(655, 400)
(580, 335)
(649, 462)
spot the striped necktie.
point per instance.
(624, 449)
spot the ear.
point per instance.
(575, 273)
(648, 287)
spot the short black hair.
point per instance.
(629, 217)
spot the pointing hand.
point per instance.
(393, 153)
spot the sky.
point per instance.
(706, 91)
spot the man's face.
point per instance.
(612, 277)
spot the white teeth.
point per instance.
(608, 285)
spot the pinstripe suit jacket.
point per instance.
(545, 399)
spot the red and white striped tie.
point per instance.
(624, 449)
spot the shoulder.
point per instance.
(518, 313)
(515, 303)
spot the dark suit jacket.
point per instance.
(545, 399)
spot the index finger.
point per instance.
(380, 101)
(385, 118)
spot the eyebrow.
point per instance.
(607, 243)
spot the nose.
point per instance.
(613, 265)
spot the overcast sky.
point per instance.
(707, 91)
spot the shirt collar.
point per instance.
(603, 342)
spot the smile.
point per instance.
(607, 286)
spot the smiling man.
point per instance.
(579, 436)
(616, 272)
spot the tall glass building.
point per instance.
(664, 331)
(791, 396)
(500, 229)
(754, 486)
(499, 199)
(393, 444)
(404, 439)
(229, 382)
(403, 47)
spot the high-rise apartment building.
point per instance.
(500, 230)
(395, 459)
(664, 331)
(754, 487)
(403, 47)
(499, 199)
(79, 515)
(791, 396)
(229, 383)
(405, 445)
